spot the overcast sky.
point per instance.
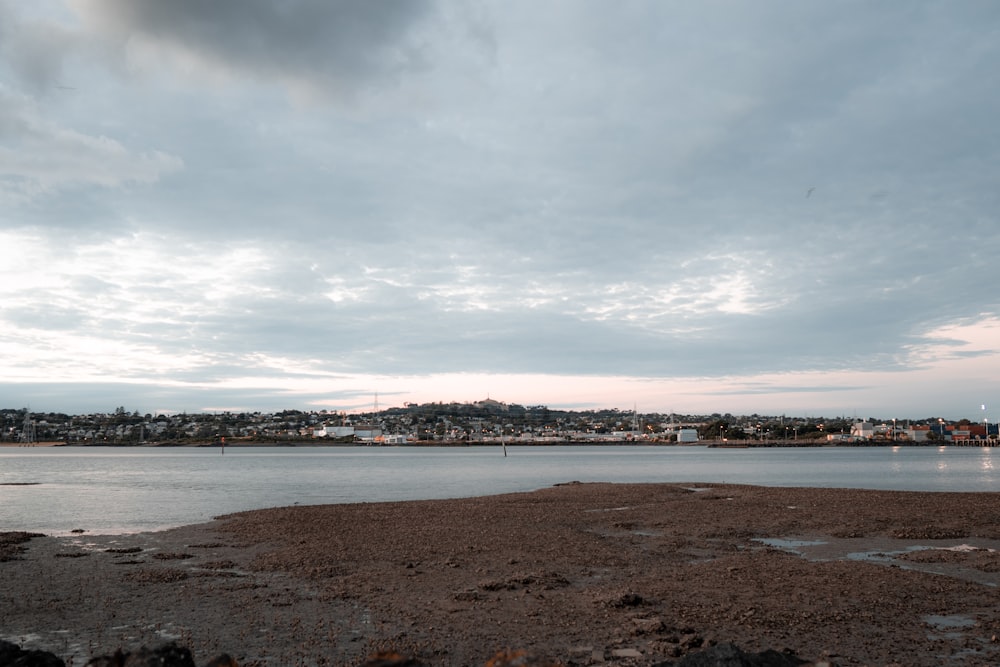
(774, 207)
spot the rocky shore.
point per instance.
(581, 574)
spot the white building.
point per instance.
(687, 435)
(863, 430)
(917, 434)
(334, 432)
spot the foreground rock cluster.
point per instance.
(167, 655)
(172, 655)
(586, 574)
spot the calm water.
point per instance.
(106, 490)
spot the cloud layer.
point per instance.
(378, 196)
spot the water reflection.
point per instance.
(896, 465)
(108, 490)
(942, 463)
(986, 462)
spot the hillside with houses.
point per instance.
(482, 422)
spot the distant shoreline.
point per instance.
(711, 444)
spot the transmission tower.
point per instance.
(28, 429)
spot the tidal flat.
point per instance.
(583, 573)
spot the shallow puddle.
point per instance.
(949, 622)
(948, 627)
(788, 544)
(888, 551)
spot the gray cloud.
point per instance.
(330, 47)
(33, 49)
(652, 190)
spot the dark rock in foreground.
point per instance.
(10, 544)
(172, 655)
(730, 655)
(12, 655)
(168, 655)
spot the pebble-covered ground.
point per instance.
(584, 573)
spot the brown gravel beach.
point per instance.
(588, 574)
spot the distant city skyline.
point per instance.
(582, 398)
(768, 207)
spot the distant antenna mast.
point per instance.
(27, 429)
(376, 402)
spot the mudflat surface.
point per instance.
(587, 574)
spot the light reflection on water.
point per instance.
(109, 490)
(896, 462)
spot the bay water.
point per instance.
(109, 490)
